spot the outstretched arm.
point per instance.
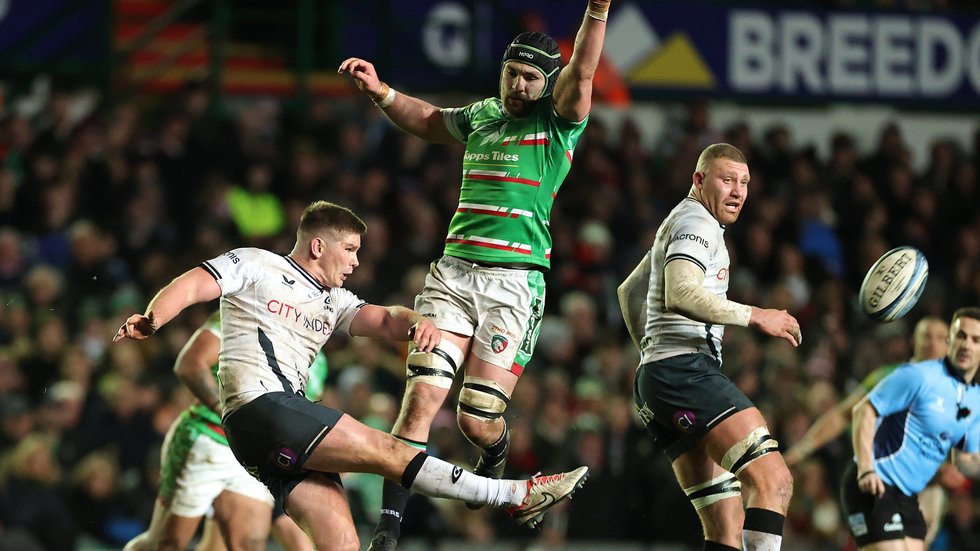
(193, 367)
(417, 117)
(191, 287)
(829, 426)
(395, 323)
(573, 90)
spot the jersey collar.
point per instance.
(955, 373)
(309, 277)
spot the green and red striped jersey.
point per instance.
(512, 170)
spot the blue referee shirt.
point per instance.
(919, 424)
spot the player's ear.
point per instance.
(316, 247)
(698, 179)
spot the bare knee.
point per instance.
(479, 432)
(770, 481)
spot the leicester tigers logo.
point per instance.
(498, 343)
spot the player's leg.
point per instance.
(696, 406)
(511, 305)
(289, 535)
(280, 435)
(715, 495)
(742, 445)
(429, 376)
(166, 531)
(187, 488)
(211, 538)
(244, 521)
(318, 505)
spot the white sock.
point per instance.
(437, 478)
(760, 541)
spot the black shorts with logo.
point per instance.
(273, 435)
(872, 519)
(681, 398)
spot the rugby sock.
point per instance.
(394, 498)
(434, 477)
(715, 546)
(762, 530)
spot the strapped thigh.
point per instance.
(756, 444)
(721, 487)
(437, 367)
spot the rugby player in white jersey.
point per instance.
(199, 472)
(486, 294)
(277, 312)
(675, 305)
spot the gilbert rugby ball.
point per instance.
(894, 284)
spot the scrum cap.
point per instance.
(539, 51)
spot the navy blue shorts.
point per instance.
(871, 519)
(681, 398)
(273, 435)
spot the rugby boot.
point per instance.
(544, 492)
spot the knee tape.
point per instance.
(437, 367)
(714, 490)
(482, 399)
(758, 443)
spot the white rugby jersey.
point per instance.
(691, 233)
(275, 317)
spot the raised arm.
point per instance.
(191, 287)
(396, 323)
(193, 367)
(417, 117)
(573, 90)
(685, 295)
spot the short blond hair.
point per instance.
(719, 151)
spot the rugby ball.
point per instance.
(894, 284)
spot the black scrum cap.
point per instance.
(539, 51)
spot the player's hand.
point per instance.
(363, 73)
(137, 327)
(425, 334)
(871, 483)
(777, 323)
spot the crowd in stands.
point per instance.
(101, 208)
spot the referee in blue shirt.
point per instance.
(904, 430)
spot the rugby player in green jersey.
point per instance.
(486, 294)
(198, 471)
